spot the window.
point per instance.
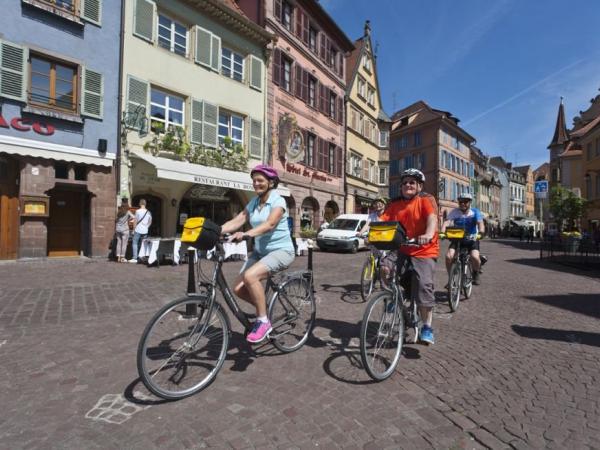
(597, 147)
(383, 138)
(332, 102)
(66, 5)
(61, 170)
(172, 35)
(165, 110)
(362, 86)
(403, 141)
(53, 84)
(382, 175)
(286, 79)
(312, 39)
(333, 57)
(355, 164)
(371, 96)
(309, 157)
(80, 172)
(366, 62)
(286, 15)
(417, 138)
(232, 64)
(312, 92)
(331, 158)
(231, 125)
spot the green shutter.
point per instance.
(91, 10)
(143, 19)
(210, 117)
(92, 94)
(136, 106)
(215, 60)
(196, 125)
(13, 71)
(256, 72)
(256, 141)
(203, 46)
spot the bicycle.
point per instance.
(184, 345)
(371, 273)
(386, 319)
(461, 273)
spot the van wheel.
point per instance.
(354, 248)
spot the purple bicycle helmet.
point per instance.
(268, 172)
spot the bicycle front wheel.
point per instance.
(467, 282)
(292, 314)
(454, 286)
(381, 336)
(182, 349)
(367, 278)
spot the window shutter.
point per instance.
(339, 161)
(256, 73)
(277, 9)
(341, 64)
(323, 99)
(143, 19)
(215, 61)
(196, 123)
(13, 71)
(137, 103)
(298, 27)
(91, 10)
(325, 156)
(298, 81)
(323, 45)
(305, 28)
(210, 117)
(256, 141)
(340, 109)
(277, 66)
(92, 94)
(305, 85)
(203, 47)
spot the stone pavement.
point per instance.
(518, 366)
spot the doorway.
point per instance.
(9, 207)
(65, 222)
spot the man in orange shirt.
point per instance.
(417, 212)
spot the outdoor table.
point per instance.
(156, 248)
(232, 249)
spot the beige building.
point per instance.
(194, 88)
(527, 173)
(367, 129)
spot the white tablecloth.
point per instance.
(301, 245)
(232, 248)
(150, 249)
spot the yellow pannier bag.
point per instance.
(386, 235)
(455, 233)
(201, 233)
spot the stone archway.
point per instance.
(309, 213)
(291, 210)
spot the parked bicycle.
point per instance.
(184, 345)
(388, 316)
(460, 277)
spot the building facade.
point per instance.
(306, 88)
(367, 135)
(194, 110)
(500, 167)
(431, 140)
(527, 173)
(58, 126)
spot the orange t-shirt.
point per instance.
(412, 214)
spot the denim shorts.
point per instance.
(274, 261)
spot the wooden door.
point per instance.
(9, 208)
(64, 224)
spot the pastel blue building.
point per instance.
(59, 126)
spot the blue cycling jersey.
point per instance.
(467, 220)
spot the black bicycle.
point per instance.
(184, 345)
(461, 273)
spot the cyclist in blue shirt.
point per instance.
(273, 248)
(471, 220)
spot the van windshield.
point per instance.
(343, 224)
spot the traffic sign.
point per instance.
(541, 189)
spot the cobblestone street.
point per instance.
(517, 366)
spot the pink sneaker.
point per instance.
(260, 330)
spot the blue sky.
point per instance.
(500, 66)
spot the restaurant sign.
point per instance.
(25, 124)
(230, 184)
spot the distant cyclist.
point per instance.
(377, 208)
(417, 212)
(471, 220)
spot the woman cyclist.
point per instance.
(273, 247)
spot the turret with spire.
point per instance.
(558, 144)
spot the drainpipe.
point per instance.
(344, 150)
(120, 102)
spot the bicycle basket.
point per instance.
(455, 233)
(386, 235)
(200, 233)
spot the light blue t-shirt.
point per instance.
(279, 237)
(467, 221)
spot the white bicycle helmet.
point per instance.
(465, 196)
(415, 173)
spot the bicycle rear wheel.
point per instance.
(367, 278)
(454, 286)
(467, 281)
(174, 358)
(292, 314)
(381, 336)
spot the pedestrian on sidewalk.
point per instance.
(141, 224)
(122, 229)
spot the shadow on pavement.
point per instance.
(578, 337)
(521, 245)
(132, 395)
(587, 304)
(545, 264)
(350, 293)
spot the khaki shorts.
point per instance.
(421, 281)
(275, 261)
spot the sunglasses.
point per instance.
(409, 182)
(464, 201)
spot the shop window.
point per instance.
(61, 170)
(165, 110)
(232, 64)
(80, 173)
(53, 84)
(172, 35)
(231, 125)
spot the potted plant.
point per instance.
(308, 233)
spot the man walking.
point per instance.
(141, 224)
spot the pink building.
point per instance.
(306, 87)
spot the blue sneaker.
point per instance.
(427, 335)
(390, 308)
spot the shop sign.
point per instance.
(35, 206)
(205, 191)
(291, 140)
(25, 124)
(303, 171)
(223, 183)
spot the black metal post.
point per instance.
(191, 309)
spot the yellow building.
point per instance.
(527, 172)
(367, 130)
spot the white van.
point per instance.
(341, 233)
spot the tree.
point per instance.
(566, 207)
